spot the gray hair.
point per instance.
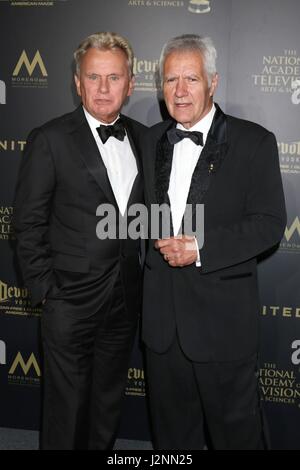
(192, 42)
(104, 41)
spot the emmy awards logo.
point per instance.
(199, 6)
(296, 354)
(2, 92)
(296, 93)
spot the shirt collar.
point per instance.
(203, 125)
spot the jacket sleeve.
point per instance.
(264, 220)
(32, 206)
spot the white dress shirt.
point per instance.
(119, 161)
(185, 157)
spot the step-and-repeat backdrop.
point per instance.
(258, 45)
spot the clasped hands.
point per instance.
(178, 251)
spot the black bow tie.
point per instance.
(176, 135)
(117, 130)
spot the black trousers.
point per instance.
(87, 338)
(196, 404)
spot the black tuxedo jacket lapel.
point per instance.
(162, 172)
(90, 154)
(208, 163)
(210, 160)
(163, 166)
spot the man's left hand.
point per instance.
(178, 251)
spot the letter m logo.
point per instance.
(19, 361)
(295, 227)
(37, 60)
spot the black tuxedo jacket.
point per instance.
(61, 183)
(215, 308)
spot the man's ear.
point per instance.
(77, 84)
(214, 84)
(131, 85)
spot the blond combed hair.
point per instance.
(104, 41)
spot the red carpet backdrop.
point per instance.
(258, 44)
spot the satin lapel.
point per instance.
(90, 154)
(163, 166)
(210, 160)
(162, 173)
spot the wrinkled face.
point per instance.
(187, 94)
(104, 83)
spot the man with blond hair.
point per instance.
(89, 288)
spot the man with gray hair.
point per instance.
(89, 288)
(201, 306)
